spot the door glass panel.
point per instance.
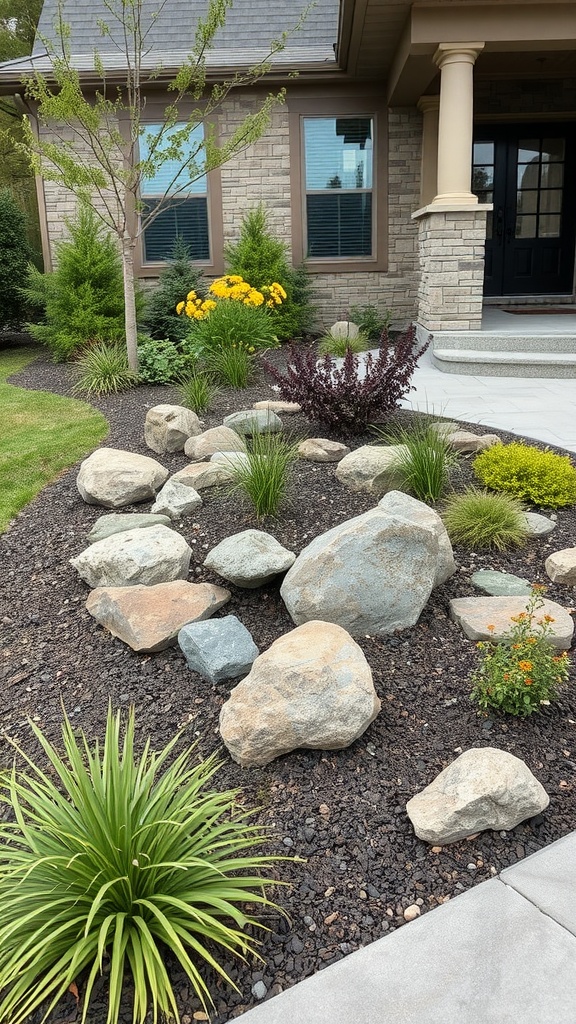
(528, 175)
(526, 227)
(553, 150)
(549, 226)
(527, 201)
(482, 177)
(550, 201)
(528, 149)
(552, 175)
(483, 153)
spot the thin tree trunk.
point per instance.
(130, 303)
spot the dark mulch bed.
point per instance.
(343, 812)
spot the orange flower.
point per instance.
(548, 618)
(530, 639)
(527, 682)
(525, 665)
(491, 628)
(515, 647)
(506, 675)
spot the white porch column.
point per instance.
(430, 106)
(456, 62)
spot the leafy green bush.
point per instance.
(85, 294)
(197, 391)
(232, 366)
(338, 347)
(264, 477)
(542, 478)
(124, 854)
(425, 459)
(260, 258)
(481, 519)
(232, 323)
(15, 254)
(102, 369)
(180, 277)
(160, 361)
(371, 321)
(519, 674)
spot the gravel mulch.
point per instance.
(343, 812)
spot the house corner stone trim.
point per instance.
(451, 251)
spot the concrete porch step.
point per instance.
(493, 362)
(503, 341)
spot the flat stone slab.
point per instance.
(501, 584)
(149, 618)
(475, 614)
(537, 525)
(547, 880)
(253, 421)
(474, 960)
(117, 522)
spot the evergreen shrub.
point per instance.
(15, 254)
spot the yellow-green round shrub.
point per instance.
(540, 477)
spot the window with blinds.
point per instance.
(186, 215)
(338, 172)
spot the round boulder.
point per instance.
(168, 427)
(155, 555)
(249, 559)
(114, 478)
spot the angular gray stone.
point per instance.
(201, 475)
(406, 507)
(372, 468)
(117, 522)
(465, 441)
(286, 408)
(168, 427)
(218, 649)
(538, 526)
(500, 584)
(114, 478)
(561, 566)
(370, 574)
(249, 559)
(475, 614)
(484, 788)
(312, 688)
(176, 499)
(155, 555)
(254, 421)
(217, 439)
(149, 618)
(321, 449)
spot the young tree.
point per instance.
(103, 149)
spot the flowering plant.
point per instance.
(522, 671)
(232, 286)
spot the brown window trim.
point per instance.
(308, 106)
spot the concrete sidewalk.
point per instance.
(502, 953)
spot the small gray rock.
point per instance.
(176, 500)
(259, 990)
(537, 525)
(249, 559)
(117, 522)
(501, 584)
(218, 649)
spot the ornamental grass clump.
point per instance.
(111, 859)
(197, 391)
(482, 519)
(540, 477)
(102, 369)
(523, 671)
(264, 477)
(425, 457)
(329, 345)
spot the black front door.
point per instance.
(528, 172)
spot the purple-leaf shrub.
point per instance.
(337, 397)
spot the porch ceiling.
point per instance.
(393, 41)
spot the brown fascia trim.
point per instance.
(317, 104)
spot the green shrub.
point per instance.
(328, 345)
(85, 294)
(15, 254)
(232, 366)
(265, 476)
(103, 369)
(260, 258)
(371, 321)
(425, 459)
(180, 277)
(160, 361)
(520, 673)
(126, 855)
(540, 477)
(232, 323)
(198, 391)
(481, 519)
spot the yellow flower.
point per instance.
(180, 307)
(234, 278)
(191, 296)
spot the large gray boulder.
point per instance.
(372, 468)
(249, 559)
(168, 427)
(217, 439)
(483, 788)
(370, 574)
(253, 421)
(114, 478)
(149, 618)
(312, 688)
(151, 556)
(219, 649)
(116, 522)
(475, 614)
(413, 511)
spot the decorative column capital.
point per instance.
(428, 103)
(457, 53)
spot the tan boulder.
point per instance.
(168, 427)
(465, 441)
(283, 408)
(561, 566)
(475, 614)
(372, 468)
(201, 475)
(114, 478)
(321, 449)
(217, 439)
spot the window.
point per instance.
(338, 173)
(187, 214)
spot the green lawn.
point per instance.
(40, 435)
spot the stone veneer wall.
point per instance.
(261, 173)
(451, 269)
(525, 96)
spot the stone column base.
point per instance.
(451, 251)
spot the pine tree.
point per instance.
(179, 278)
(14, 256)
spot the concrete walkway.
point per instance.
(502, 953)
(544, 409)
